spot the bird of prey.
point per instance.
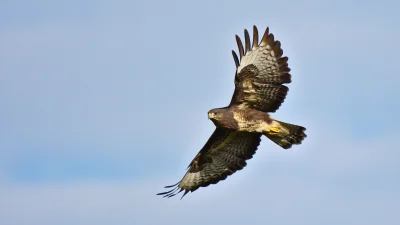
(260, 74)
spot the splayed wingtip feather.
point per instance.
(170, 186)
(186, 191)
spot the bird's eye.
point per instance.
(215, 113)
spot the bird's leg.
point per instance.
(273, 131)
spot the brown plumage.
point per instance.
(260, 74)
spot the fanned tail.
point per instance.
(294, 135)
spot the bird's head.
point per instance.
(216, 114)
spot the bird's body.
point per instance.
(259, 90)
(248, 120)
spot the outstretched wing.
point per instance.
(260, 72)
(225, 152)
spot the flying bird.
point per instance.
(260, 74)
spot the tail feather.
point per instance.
(290, 135)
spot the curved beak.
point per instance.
(210, 115)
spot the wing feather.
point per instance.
(255, 37)
(235, 58)
(240, 46)
(224, 153)
(261, 73)
(247, 40)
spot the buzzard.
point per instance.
(260, 74)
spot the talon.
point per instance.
(274, 131)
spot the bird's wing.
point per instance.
(225, 152)
(260, 72)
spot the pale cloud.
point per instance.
(276, 199)
(329, 179)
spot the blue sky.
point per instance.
(104, 103)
